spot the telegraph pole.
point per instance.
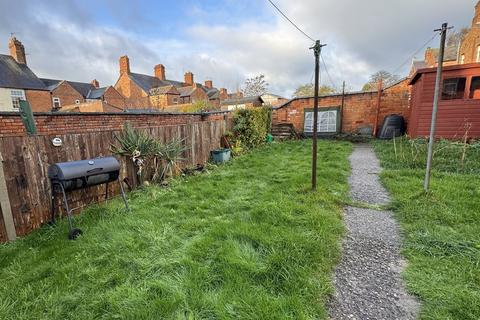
(443, 32)
(317, 50)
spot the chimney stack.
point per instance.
(95, 83)
(209, 84)
(17, 50)
(124, 65)
(189, 78)
(160, 71)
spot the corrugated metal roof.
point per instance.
(17, 75)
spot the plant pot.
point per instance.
(221, 155)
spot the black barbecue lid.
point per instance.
(83, 168)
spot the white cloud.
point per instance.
(362, 37)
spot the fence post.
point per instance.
(5, 205)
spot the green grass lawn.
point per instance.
(442, 228)
(245, 241)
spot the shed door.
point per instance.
(327, 121)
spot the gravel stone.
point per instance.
(368, 283)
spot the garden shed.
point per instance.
(459, 106)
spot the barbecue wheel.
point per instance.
(74, 233)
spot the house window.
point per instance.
(478, 54)
(453, 88)
(462, 59)
(56, 103)
(16, 96)
(77, 101)
(475, 88)
(175, 100)
(326, 123)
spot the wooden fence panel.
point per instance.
(27, 158)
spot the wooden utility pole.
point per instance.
(342, 106)
(317, 50)
(379, 101)
(443, 33)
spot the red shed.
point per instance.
(459, 105)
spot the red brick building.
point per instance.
(70, 95)
(157, 92)
(358, 114)
(18, 82)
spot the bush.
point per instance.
(251, 126)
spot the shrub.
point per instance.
(251, 126)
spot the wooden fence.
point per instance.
(26, 160)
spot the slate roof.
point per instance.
(87, 90)
(18, 76)
(451, 53)
(147, 82)
(213, 93)
(96, 93)
(186, 91)
(242, 100)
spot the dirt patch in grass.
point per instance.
(246, 241)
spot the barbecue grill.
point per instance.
(76, 175)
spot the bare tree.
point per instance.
(387, 79)
(255, 86)
(456, 36)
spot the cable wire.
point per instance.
(289, 20)
(328, 73)
(416, 52)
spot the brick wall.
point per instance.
(114, 98)
(61, 123)
(359, 109)
(67, 94)
(40, 101)
(135, 97)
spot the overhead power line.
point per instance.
(415, 53)
(289, 20)
(328, 73)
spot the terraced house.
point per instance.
(157, 92)
(18, 82)
(83, 96)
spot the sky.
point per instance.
(226, 41)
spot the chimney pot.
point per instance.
(17, 50)
(209, 84)
(189, 78)
(160, 71)
(124, 65)
(95, 83)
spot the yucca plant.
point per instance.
(138, 145)
(171, 154)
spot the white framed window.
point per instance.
(326, 122)
(478, 54)
(462, 59)
(16, 96)
(56, 103)
(77, 101)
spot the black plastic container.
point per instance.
(393, 126)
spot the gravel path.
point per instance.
(368, 280)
